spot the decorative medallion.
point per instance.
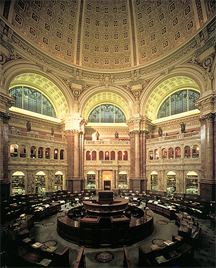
(104, 256)
(48, 223)
(162, 222)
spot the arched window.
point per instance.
(101, 155)
(33, 152)
(56, 154)
(32, 100)
(88, 155)
(94, 157)
(156, 154)
(112, 155)
(177, 152)
(40, 152)
(164, 153)
(120, 155)
(195, 151)
(150, 154)
(187, 151)
(22, 151)
(107, 113)
(179, 102)
(61, 154)
(125, 155)
(106, 155)
(171, 153)
(47, 153)
(14, 150)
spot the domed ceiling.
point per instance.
(108, 34)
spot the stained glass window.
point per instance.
(179, 102)
(193, 97)
(107, 113)
(32, 100)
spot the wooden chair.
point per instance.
(80, 261)
(126, 261)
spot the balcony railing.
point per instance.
(174, 137)
(99, 142)
(36, 135)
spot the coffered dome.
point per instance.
(108, 34)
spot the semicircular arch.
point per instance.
(161, 88)
(108, 96)
(49, 85)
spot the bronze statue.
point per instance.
(97, 135)
(52, 131)
(116, 135)
(183, 127)
(160, 132)
(28, 126)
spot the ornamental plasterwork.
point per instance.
(53, 25)
(207, 104)
(29, 20)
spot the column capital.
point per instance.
(207, 104)
(141, 123)
(4, 117)
(208, 118)
(6, 102)
(74, 122)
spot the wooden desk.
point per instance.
(177, 254)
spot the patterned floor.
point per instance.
(113, 257)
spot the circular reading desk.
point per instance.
(105, 222)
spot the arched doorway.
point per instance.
(107, 180)
(91, 184)
(122, 180)
(58, 181)
(18, 183)
(191, 183)
(154, 181)
(40, 183)
(171, 183)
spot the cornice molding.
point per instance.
(35, 119)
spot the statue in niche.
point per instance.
(160, 132)
(97, 135)
(116, 135)
(182, 127)
(28, 126)
(52, 131)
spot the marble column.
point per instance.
(207, 182)
(4, 156)
(69, 135)
(143, 136)
(137, 154)
(132, 153)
